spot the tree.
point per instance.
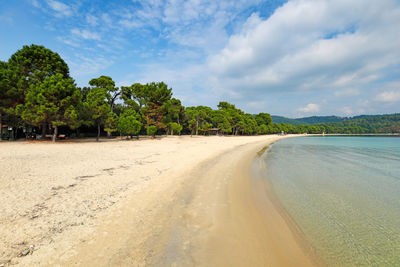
(151, 130)
(173, 112)
(234, 116)
(106, 83)
(250, 124)
(176, 127)
(5, 100)
(199, 118)
(111, 123)
(150, 98)
(263, 118)
(53, 101)
(31, 65)
(129, 123)
(220, 120)
(98, 107)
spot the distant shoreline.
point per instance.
(377, 134)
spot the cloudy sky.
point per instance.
(292, 58)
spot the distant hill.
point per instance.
(388, 123)
(280, 119)
(308, 120)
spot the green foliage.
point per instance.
(98, 107)
(31, 65)
(129, 123)
(263, 118)
(107, 83)
(356, 125)
(234, 116)
(151, 101)
(175, 127)
(155, 93)
(96, 102)
(151, 130)
(111, 122)
(104, 82)
(5, 99)
(54, 101)
(307, 120)
(173, 112)
(199, 118)
(220, 120)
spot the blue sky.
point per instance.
(294, 58)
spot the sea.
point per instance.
(343, 195)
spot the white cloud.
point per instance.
(83, 65)
(60, 8)
(67, 41)
(311, 46)
(310, 108)
(347, 92)
(389, 96)
(91, 20)
(35, 3)
(307, 50)
(85, 34)
(193, 23)
(106, 18)
(257, 105)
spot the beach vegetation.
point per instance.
(129, 123)
(151, 130)
(53, 101)
(96, 102)
(176, 128)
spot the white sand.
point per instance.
(149, 202)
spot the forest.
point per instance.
(39, 98)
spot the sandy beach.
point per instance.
(175, 201)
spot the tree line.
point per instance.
(37, 92)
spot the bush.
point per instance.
(151, 130)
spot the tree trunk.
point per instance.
(197, 127)
(98, 132)
(172, 131)
(1, 126)
(44, 126)
(108, 134)
(55, 133)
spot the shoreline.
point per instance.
(264, 194)
(258, 240)
(200, 210)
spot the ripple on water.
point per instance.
(344, 194)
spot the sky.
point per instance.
(293, 58)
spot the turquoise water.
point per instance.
(344, 195)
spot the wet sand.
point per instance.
(178, 201)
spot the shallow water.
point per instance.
(344, 195)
